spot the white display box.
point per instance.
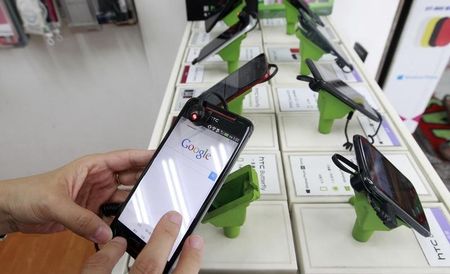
(264, 135)
(314, 178)
(200, 39)
(278, 35)
(259, 100)
(324, 244)
(299, 132)
(265, 244)
(300, 98)
(269, 168)
(246, 54)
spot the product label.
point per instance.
(317, 175)
(192, 74)
(257, 99)
(283, 54)
(273, 22)
(246, 54)
(297, 99)
(437, 247)
(200, 38)
(385, 137)
(267, 168)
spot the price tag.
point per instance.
(385, 137)
(273, 22)
(257, 99)
(200, 38)
(266, 167)
(437, 247)
(192, 74)
(316, 175)
(283, 54)
(297, 99)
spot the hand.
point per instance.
(71, 196)
(153, 257)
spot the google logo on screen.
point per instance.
(199, 153)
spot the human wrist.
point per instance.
(5, 213)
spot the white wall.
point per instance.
(162, 24)
(368, 22)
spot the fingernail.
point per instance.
(102, 235)
(196, 242)
(120, 240)
(175, 217)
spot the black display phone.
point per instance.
(223, 11)
(303, 6)
(252, 73)
(387, 187)
(246, 23)
(310, 30)
(185, 174)
(326, 79)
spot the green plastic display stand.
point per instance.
(309, 50)
(232, 18)
(231, 54)
(291, 17)
(367, 220)
(229, 208)
(330, 108)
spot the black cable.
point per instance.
(371, 137)
(348, 145)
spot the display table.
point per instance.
(303, 221)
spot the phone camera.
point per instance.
(196, 113)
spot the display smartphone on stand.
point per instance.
(303, 7)
(226, 8)
(247, 22)
(390, 193)
(325, 78)
(184, 175)
(312, 32)
(252, 73)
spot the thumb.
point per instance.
(82, 221)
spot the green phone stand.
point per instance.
(291, 17)
(232, 18)
(231, 53)
(229, 208)
(367, 220)
(237, 104)
(308, 49)
(330, 108)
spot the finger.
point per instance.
(126, 159)
(191, 256)
(119, 196)
(104, 260)
(153, 258)
(81, 221)
(129, 177)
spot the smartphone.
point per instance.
(386, 184)
(224, 10)
(246, 23)
(252, 73)
(328, 81)
(303, 6)
(185, 174)
(309, 29)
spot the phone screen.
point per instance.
(245, 24)
(341, 90)
(388, 179)
(183, 174)
(240, 80)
